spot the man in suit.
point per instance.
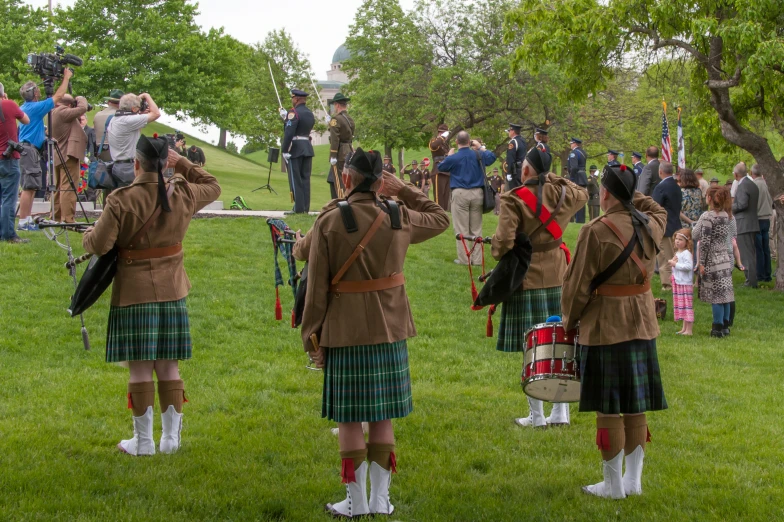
(297, 149)
(72, 141)
(744, 208)
(649, 177)
(668, 195)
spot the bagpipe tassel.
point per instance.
(278, 307)
(474, 293)
(490, 312)
(566, 253)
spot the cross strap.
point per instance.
(360, 247)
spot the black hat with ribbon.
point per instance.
(368, 164)
(620, 182)
(157, 148)
(540, 161)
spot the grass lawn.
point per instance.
(255, 447)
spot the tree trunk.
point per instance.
(387, 150)
(222, 139)
(400, 163)
(564, 158)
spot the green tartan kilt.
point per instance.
(366, 383)
(148, 331)
(621, 378)
(525, 309)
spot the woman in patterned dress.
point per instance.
(691, 206)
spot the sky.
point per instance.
(316, 26)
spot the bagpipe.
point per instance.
(503, 280)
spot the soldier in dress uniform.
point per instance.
(357, 320)
(439, 148)
(297, 149)
(387, 166)
(515, 154)
(525, 210)
(341, 136)
(497, 182)
(637, 163)
(541, 138)
(427, 180)
(607, 290)
(593, 193)
(414, 175)
(612, 158)
(576, 163)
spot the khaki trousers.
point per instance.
(467, 220)
(65, 197)
(666, 252)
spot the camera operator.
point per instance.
(72, 141)
(179, 144)
(99, 122)
(124, 132)
(33, 136)
(196, 155)
(9, 165)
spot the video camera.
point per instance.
(52, 65)
(14, 146)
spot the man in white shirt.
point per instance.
(704, 185)
(124, 132)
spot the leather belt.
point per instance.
(546, 247)
(623, 290)
(124, 161)
(370, 285)
(150, 253)
(438, 158)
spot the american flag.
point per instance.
(681, 144)
(666, 145)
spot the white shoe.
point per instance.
(171, 423)
(536, 417)
(632, 479)
(380, 479)
(612, 485)
(335, 431)
(356, 503)
(141, 443)
(560, 414)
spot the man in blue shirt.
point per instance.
(32, 136)
(467, 179)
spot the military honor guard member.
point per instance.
(607, 292)
(612, 158)
(415, 175)
(497, 182)
(297, 149)
(542, 198)
(341, 137)
(387, 166)
(593, 193)
(541, 138)
(515, 154)
(148, 319)
(637, 164)
(439, 148)
(357, 320)
(576, 164)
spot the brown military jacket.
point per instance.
(373, 317)
(608, 320)
(127, 209)
(547, 268)
(341, 135)
(67, 131)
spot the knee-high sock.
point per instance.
(610, 436)
(383, 455)
(171, 393)
(635, 428)
(141, 395)
(350, 461)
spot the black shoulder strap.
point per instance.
(616, 265)
(394, 214)
(348, 217)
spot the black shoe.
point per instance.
(716, 330)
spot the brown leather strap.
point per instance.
(150, 253)
(623, 290)
(546, 247)
(140, 234)
(368, 285)
(360, 247)
(634, 256)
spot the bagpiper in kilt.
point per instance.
(357, 319)
(608, 291)
(148, 319)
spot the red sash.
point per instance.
(547, 219)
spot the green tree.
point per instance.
(24, 30)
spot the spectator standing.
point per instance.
(691, 206)
(667, 194)
(466, 167)
(99, 122)
(9, 166)
(196, 155)
(33, 137)
(682, 265)
(704, 186)
(497, 182)
(124, 132)
(744, 208)
(90, 133)
(72, 142)
(649, 177)
(762, 238)
(714, 262)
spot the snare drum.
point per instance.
(551, 371)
